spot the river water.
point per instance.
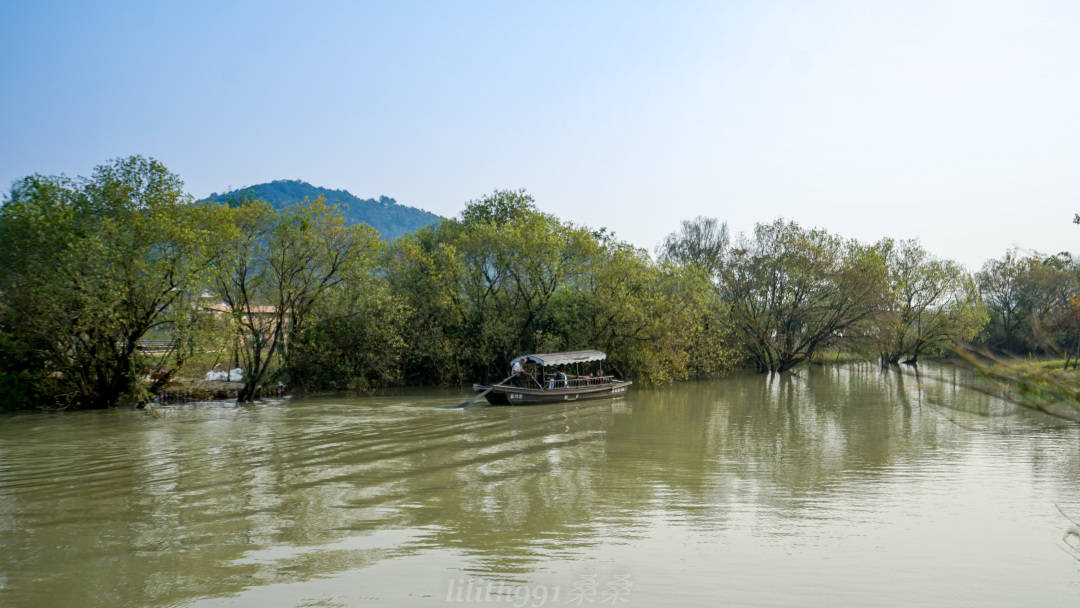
(838, 486)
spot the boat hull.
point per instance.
(515, 395)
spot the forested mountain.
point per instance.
(384, 214)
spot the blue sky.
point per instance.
(955, 123)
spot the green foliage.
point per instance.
(502, 207)
(1025, 383)
(355, 345)
(18, 388)
(507, 279)
(793, 291)
(657, 322)
(1033, 303)
(930, 306)
(87, 268)
(276, 270)
(486, 282)
(702, 241)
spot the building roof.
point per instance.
(258, 310)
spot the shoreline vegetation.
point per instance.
(95, 270)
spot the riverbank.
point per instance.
(185, 390)
(191, 388)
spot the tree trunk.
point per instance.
(248, 393)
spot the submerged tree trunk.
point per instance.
(248, 393)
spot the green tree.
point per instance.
(1000, 284)
(793, 291)
(658, 322)
(423, 269)
(702, 241)
(507, 279)
(90, 266)
(1029, 299)
(1050, 286)
(356, 342)
(275, 271)
(486, 282)
(1034, 294)
(931, 304)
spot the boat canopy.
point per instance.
(574, 356)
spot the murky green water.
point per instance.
(839, 487)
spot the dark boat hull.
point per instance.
(514, 395)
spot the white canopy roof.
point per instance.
(574, 356)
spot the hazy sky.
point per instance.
(956, 123)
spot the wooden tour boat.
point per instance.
(545, 387)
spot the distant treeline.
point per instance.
(91, 267)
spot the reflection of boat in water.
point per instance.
(557, 386)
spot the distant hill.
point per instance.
(385, 214)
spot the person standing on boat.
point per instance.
(518, 370)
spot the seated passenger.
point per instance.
(560, 378)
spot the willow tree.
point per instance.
(480, 287)
(1027, 297)
(930, 306)
(422, 268)
(702, 241)
(88, 268)
(793, 291)
(659, 322)
(275, 270)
